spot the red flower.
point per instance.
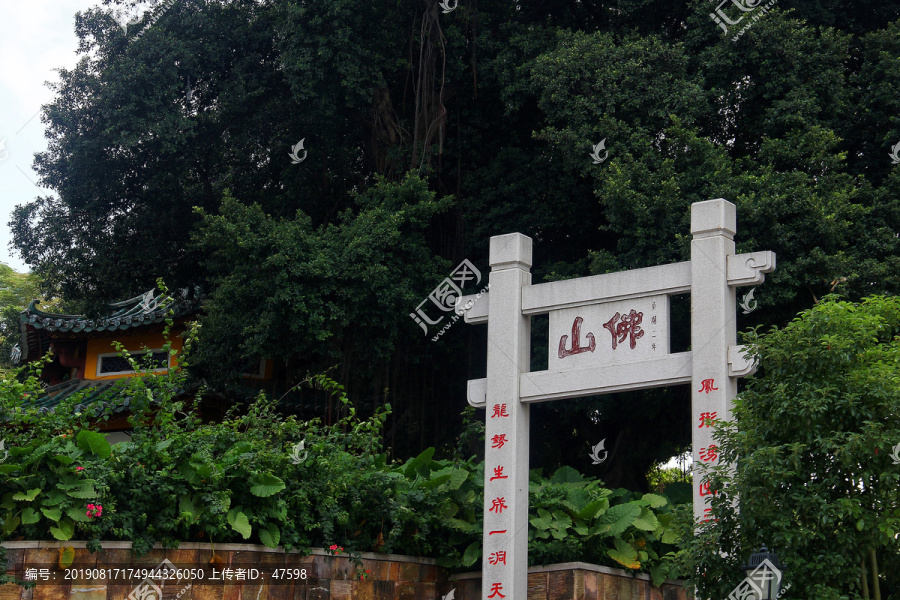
(79, 468)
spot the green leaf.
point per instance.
(592, 509)
(239, 522)
(93, 442)
(264, 485)
(624, 554)
(52, 513)
(66, 557)
(617, 519)
(270, 535)
(655, 500)
(85, 491)
(78, 515)
(186, 505)
(65, 531)
(10, 523)
(9, 468)
(566, 474)
(437, 480)
(419, 464)
(30, 516)
(66, 460)
(54, 497)
(164, 444)
(472, 554)
(646, 521)
(190, 474)
(27, 497)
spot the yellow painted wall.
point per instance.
(132, 343)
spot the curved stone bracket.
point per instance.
(738, 364)
(749, 269)
(476, 392)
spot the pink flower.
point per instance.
(91, 506)
(333, 547)
(79, 468)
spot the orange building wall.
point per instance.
(132, 343)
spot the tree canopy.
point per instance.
(426, 133)
(811, 446)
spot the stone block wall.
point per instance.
(578, 581)
(324, 577)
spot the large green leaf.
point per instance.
(239, 522)
(472, 554)
(419, 465)
(93, 442)
(10, 522)
(264, 485)
(646, 521)
(270, 535)
(84, 491)
(65, 531)
(53, 514)
(617, 519)
(27, 497)
(30, 516)
(624, 554)
(77, 514)
(566, 474)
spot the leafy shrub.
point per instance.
(262, 477)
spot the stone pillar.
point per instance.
(712, 330)
(505, 544)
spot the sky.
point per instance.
(36, 38)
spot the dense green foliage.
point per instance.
(247, 478)
(495, 105)
(812, 442)
(17, 290)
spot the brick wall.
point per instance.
(325, 577)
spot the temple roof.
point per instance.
(146, 309)
(99, 397)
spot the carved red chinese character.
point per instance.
(496, 588)
(498, 440)
(704, 489)
(497, 557)
(497, 505)
(499, 411)
(706, 419)
(706, 386)
(628, 328)
(706, 515)
(577, 348)
(498, 474)
(493, 532)
(709, 453)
